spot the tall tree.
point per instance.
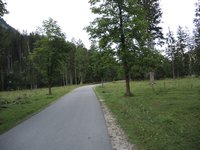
(181, 48)
(49, 50)
(81, 60)
(153, 15)
(170, 51)
(197, 38)
(31, 68)
(121, 23)
(70, 63)
(3, 11)
(190, 54)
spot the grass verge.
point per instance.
(164, 117)
(16, 106)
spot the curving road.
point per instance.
(74, 122)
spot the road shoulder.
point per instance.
(119, 140)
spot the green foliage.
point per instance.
(3, 9)
(150, 61)
(16, 106)
(153, 15)
(81, 61)
(170, 51)
(121, 23)
(102, 65)
(181, 53)
(107, 28)
(166, 117)
(51, 30)
(50, 50)
(197, 38)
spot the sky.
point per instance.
(73, 15)
(177, 12)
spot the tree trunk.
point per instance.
(49, 86)
(49, 74)
(20, 59)
(81, 79)
(2, 81)
(50, 93)
(66, 78)
(70, 78)
(152, 80)
(127, 79)
(81, 82)
(190, 65)
(124, 53)
(75, 76)
(151, 74)
(173, 69)
(64, 83)
(102, 82)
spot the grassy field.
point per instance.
(16, 106)
(165, 117)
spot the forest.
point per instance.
(127, 43)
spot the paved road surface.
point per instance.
(75, 122)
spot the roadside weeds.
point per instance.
(118, 138)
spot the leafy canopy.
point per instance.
(117, 17)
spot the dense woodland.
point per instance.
(127, 43)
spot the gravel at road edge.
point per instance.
(118, 138)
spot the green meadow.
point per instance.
(165, 116)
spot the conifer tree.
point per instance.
(3, 9)
(197, 38)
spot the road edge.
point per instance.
(119, 140)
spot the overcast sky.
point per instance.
(74, 15)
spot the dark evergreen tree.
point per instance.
(3, 9)
(153, 15)
(181, 48)
(197, 38)
(170, 50)
(190, 54)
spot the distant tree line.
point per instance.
(124, 40)
(25, 58)
(183, 50)
(132, 29)
(45, 58)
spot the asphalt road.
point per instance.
(75, 122)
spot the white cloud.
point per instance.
(74, 15)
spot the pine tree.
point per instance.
(170, 51)
(197, 38)
(181, 48)
(153, 16)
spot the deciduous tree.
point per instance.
(49, 51)
(121, 23)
